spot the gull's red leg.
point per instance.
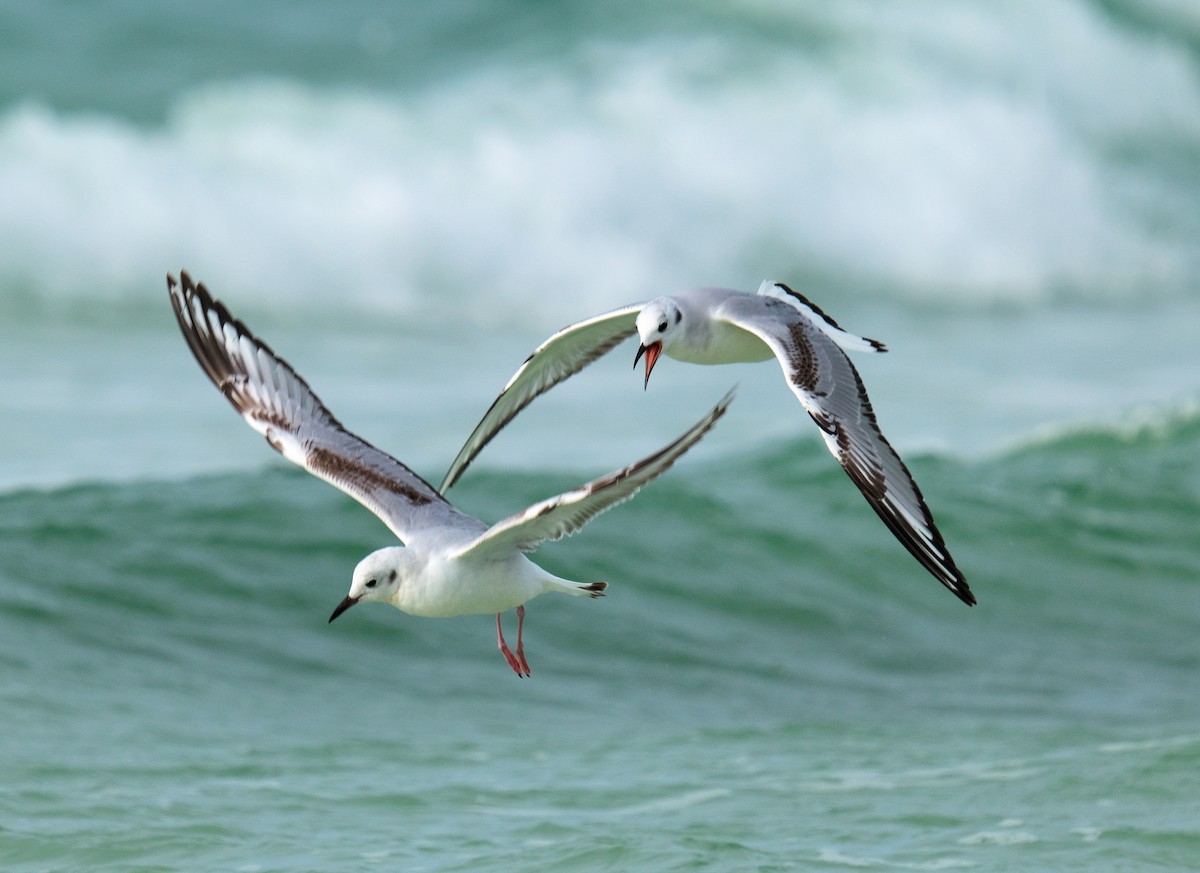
(507, 652)
(520, 642)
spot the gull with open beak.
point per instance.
(651, 352)
(723, 326)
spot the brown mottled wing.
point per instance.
(277, 402)
(564, 354)
(565, 514)
(830, 389)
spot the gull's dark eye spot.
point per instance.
(371, 583)
(678, 317)
(391, 577)
(662, 327)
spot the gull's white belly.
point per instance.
(449, 588)
(726, 344)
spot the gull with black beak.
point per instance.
(723, 326)
(452, 563)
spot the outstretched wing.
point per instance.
(829, 387)
(277, 402)
(563, 354)
(565, 514)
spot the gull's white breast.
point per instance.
(447, 587)
(718, 342)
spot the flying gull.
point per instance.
(451, 563)
(721, 326)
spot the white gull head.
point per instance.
(377, 577)
(658, 324)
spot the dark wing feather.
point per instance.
(279, 404)
(830, 389)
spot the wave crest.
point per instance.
(994, 174)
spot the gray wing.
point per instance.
(565, 514)
(830, 389)
(564, 354)
(277, 402)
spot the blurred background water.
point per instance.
(403, 200)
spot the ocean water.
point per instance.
(403, 200)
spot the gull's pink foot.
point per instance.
(518, 663)
(520, 642)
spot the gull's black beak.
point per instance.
(343, 606)
(651, 352)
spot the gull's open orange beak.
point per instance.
(651, 352)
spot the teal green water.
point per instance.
(770, 685)
(403, 199)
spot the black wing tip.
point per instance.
(724, 402)
(953, 579)
(681, 444)
(931, 551)
(184, 288)
(961, 589)
(185, 280)
(940, 565)
(945, 571)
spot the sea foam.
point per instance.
(940, 159)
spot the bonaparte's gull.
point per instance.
(721, 326)
(453, 564)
